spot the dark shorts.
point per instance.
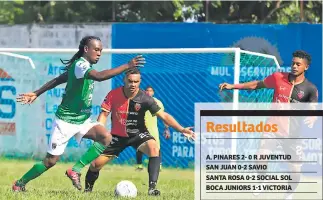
(118, 144)
(292, 147)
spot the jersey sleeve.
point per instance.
(270, 80)
(82, 69)
(160, 104)
(152, 106)
(107, 102)
(314, 95)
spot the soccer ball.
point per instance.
(125, 189)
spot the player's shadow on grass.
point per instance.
(100, 193)
(68, 192)
(59, 192)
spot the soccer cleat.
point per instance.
(88, 188)
(17, 188)
(75, 178)
(153, 192)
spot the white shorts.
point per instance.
(64, 131)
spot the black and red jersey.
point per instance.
(128, 115)
(286, 92)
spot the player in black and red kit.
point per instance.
(128, 105)
(290, 87)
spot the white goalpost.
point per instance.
(186, 75)
(19, 56)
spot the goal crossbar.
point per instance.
(141, 51)
(19, 56)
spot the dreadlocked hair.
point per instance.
(84, 42)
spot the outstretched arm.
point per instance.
(268, 82)
(168, 119)
(52, 84)
(252, 85)
(28, 98)
(138, 61)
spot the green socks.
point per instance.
(94, 151)
(33, 173)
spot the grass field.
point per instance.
(174, 184)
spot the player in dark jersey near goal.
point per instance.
(72, 117)
(128, 105)
(290, 87)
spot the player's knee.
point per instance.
(106, 139)
(95, 167)
(50, 162)
(154, 151)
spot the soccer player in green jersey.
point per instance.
(72, 117)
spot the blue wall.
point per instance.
(278, 40)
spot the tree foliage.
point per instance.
(278, 12)
(9, 10)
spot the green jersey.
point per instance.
(76, 104)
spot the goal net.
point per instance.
(180, 78)
(16, 74)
